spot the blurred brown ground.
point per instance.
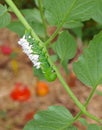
(15, 111)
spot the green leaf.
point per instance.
(98, 12)
(77, 32)
(3, 9)
(88, 68)
(93, 127)
(73, 24)
(4, 16)
(71, 128)
(34, 19)
(17, 27)
(83, 121)
(32, 14)
(65, 48)
(38, 28)
(54, 58)
(55, 118)
(65, 66)
(68, 10)
(101, 127)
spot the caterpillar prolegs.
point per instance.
(38, 55)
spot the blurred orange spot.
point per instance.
(42, 89)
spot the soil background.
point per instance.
(14, 114)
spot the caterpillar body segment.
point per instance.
(38, 55)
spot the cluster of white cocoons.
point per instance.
(27, 48)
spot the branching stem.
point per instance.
(76, 101)
(86, 103)
(66, 87)
(61, 23)
(42, 16)
(21, 18)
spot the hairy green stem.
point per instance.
(61, 24)
(21, 18)
(28, 27)
(42, 16)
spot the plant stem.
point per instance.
(42, 17)
(61, 23)
(68, 90)
(28, 27)
(86, 103)
(21, 18)
(90, 96)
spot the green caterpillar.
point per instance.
(39, 49)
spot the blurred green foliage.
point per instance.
(89, 29)
(86, 30)
(21, 4)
